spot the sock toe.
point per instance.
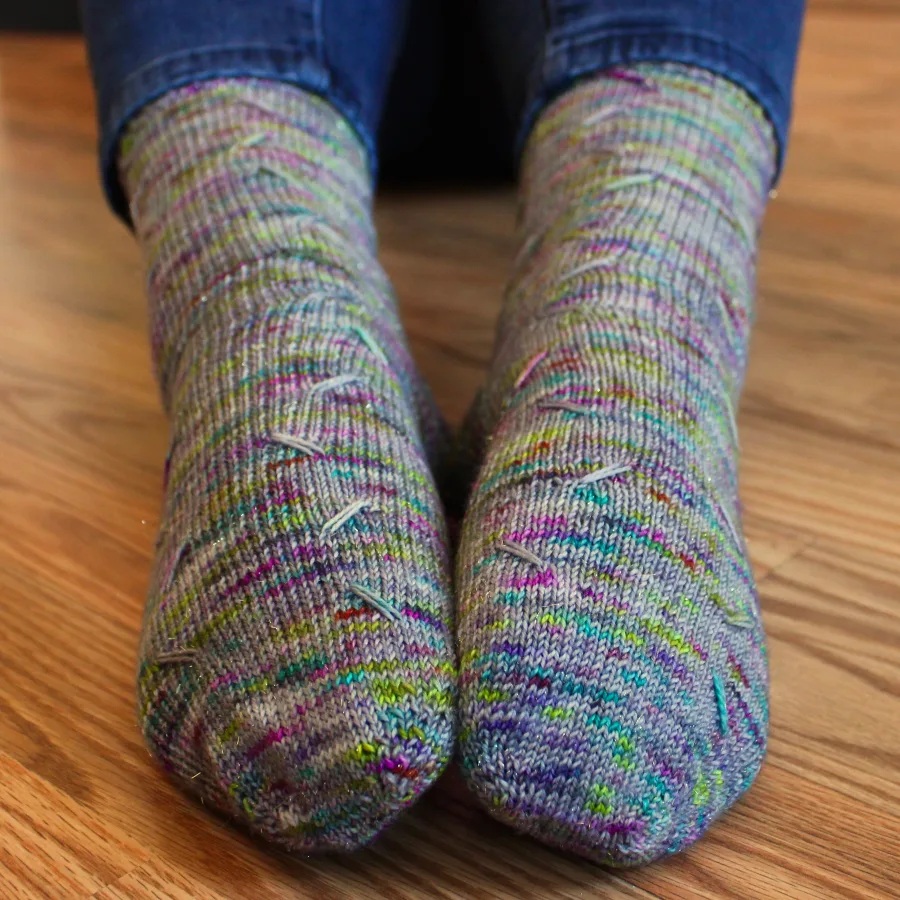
(592, 718)
(314, 746)
(327, 795)
(621, 801)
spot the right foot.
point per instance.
(296, 666)
(614, 680)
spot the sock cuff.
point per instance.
(194, 126)
(677, 113)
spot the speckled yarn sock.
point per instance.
(296, 664)
(613, 673)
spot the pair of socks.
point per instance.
(304, 663)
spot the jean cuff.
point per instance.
(573, 57)
(285, 64)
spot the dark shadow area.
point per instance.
(444, 122)
(39, 15)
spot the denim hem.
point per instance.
(573, 57)
(290, 65)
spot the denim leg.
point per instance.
(541, 47)
(140, 49)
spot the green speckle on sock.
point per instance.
(700, 794)
(486, 695)
(230, 731)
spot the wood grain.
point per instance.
(83, 811)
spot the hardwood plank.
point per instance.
(834, 624)
(771, 543)
(153, 882)
(856, 7)
(448, 264)
(49, 845)
(825, 361)
(782, 842)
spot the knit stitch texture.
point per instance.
(613, 673)
(296, 664)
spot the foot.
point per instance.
(296, 664)
(613, 672)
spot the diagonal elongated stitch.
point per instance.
(602, 114)
(731, 420)
(345, 515)
(528, 247)
(530, 366)
(323, 387)
(304, 445)
(254, 140)
(737, 619)
(351, 302)
(561, 403)
(721, 703)
(306, 222)
(370, 342)
(376, 602)
(736, 535)
(175, 657)
(604, 262)
(317, 297)
(522, 552)
(172, 568)
(288, 177)
(733, 617)
(333, 383)
(629, 181)
(606, 472)
(722, 303)
(255, 104)
(636, 78)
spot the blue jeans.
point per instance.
(498, 61)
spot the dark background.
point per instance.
(445, 126)
(39, 15)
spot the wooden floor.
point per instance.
(84, 813)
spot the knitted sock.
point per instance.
(296, 664)
(613, 673)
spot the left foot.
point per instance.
(296, 662)
(614, 679)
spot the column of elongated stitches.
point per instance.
(296, 665)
